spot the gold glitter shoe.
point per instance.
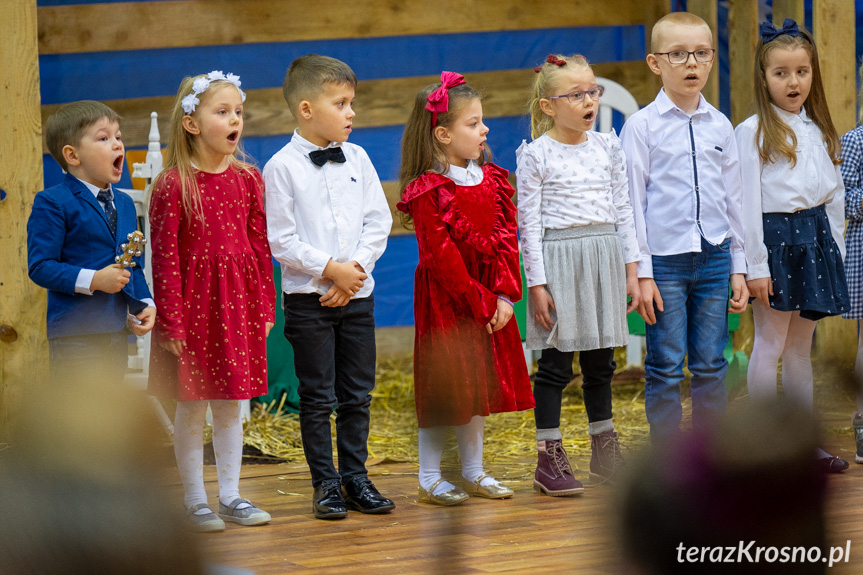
(496, 490)
(452, 497)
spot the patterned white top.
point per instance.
(779, 187)
(563, 186)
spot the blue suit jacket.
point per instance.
(68, 231)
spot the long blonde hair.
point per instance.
(546, 76)
(421, 151)
(775, 136)
(181, 148)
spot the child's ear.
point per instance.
(190, 126)
(442, 134)
(653, 64)
(305, 110)
(70, 154)
(546, 107)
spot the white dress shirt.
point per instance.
(563, 186)
(684, 181)
(314, 214)
(779, 187)
(465, 177)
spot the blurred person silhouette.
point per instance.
(752, 478)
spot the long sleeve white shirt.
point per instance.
(314, 214)
(562, 186)
(778, 187)
(684, 181)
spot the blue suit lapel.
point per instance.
(87, 197)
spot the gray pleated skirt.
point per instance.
(586, 276)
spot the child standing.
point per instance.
(213, 278)
(468, 360)
(852, 176)
(684, 184)
(793, 215)
(580, 256)
(328, 223)
(73, 234)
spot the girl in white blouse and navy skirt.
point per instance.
(580, 256)
(793, 214)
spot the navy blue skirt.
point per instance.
(805, 264)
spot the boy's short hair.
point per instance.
(679, 18)
(66, 126)
(307, 76)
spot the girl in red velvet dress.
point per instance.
(213, 281)
(468, 359)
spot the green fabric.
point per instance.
(280, 359)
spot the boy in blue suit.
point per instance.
(73, 234)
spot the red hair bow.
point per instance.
(438, 101)
(551, 59)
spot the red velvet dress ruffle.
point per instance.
(468, 255)
(213, 287)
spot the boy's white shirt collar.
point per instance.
(306, 146)
(664, 103)
(95, 189)
(470, 176)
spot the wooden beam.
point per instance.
(381, 102)
(833, 28)
(23, 347)
(172, 24)
(743, 36)
(707, 10)
(793, 9)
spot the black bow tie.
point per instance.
(321, 157)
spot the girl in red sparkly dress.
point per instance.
(468, 359)
(213, 281)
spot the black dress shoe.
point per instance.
(328, 501)
(361, 495)
(832, 465)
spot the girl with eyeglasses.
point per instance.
(580, 254)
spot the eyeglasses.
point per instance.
(578, 95)
(682, 56)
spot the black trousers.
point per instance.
(555, 372)
(334, 359)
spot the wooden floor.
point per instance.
(529, 533)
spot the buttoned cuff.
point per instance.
(84, 281)
(645, 267)
(755, 271)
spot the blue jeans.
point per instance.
(694, 291)
(103, 356)
(334, 358)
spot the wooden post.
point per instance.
(707, 10)
(23, 348)
(833, 28)
(793, 9)
(743, 36)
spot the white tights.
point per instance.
(781, 334)
(227, 445)
(431, 444)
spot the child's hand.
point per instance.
(110, 279)
(175, 346)
(632, 288)
(739, 294)
(501, 317)
(335, 297)
(649, 297)
(147, 319)
(761, 289)
(542, 302)
(269, 326)
(347, 276)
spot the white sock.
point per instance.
(822, 454)
(469, 438)
(431, 444)
(797, 362)
(771, 328)
(228, 447)
(189, 451)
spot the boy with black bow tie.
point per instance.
(328, 222)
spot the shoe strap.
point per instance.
(434, 485)
(238, 501)
(195, 508)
